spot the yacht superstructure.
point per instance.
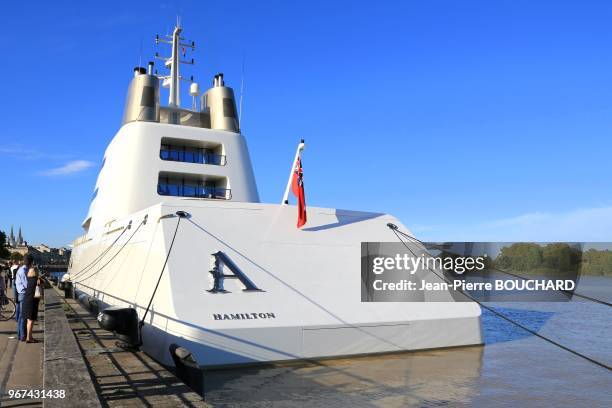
(176, 231)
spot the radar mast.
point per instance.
(173, 62)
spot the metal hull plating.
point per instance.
(309, 305)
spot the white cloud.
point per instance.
(580, 225)
(21, 153)
(71, 167)
(585, 224)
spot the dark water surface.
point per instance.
(512, 369)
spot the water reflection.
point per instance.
(429, 378)
(520, 370)
(495, 331)
(512, 369)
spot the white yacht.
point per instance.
(176, 232)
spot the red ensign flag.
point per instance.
(297, 186)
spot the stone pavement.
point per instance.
(125, 378)
(20, 363)
(80, 350)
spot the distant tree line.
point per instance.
(596, 262)
(4, 253)
(557, 257)
(16, 256)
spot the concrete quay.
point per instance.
(76, 356)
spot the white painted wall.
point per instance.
(128, 180)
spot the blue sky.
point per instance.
(471, 120)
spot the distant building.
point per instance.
(42, 253)
(17, 245)
(23, 250)
(43, 248)
(11, 238)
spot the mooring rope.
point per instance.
(181, 215)
(592, 299)
(99, 257)
(395, 230)
(144, 220)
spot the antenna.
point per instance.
(241, 93)
(140, 54)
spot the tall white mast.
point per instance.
(174, 99)
(172, 81)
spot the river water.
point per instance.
(512, 369)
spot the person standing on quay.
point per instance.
(21, 283)
(29, 308)
(13, 273)
(13, 270)
(9, 276)
(3, 276)
(2, 287)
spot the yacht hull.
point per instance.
(308, 305)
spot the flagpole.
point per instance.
(298, 152)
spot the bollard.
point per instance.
(187, 368)
(93, 305)
(68, 290)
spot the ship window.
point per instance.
(191, 152)
(195, 186)
(229, 110)
(148, 97)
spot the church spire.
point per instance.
(19, 237)
(12, 237)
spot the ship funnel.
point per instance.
(218, 80)
(219, 102)
(142, 102)
(139, 71)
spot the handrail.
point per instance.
(216, 193)
(199, 157)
